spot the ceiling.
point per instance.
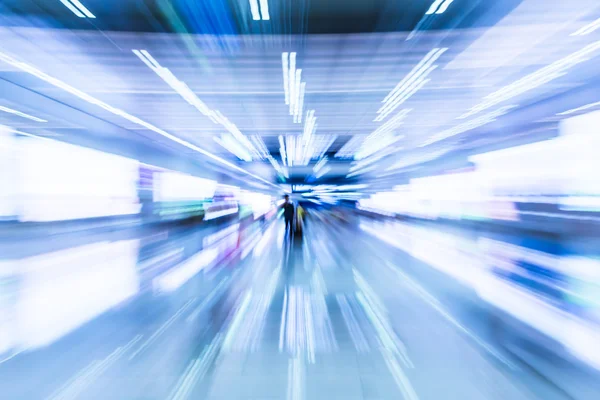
(352, 55)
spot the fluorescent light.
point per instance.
(574, 110)
(254, 10)
(411, 83)
(434, 7)
(350, 147)
(293, 86)
(444, 7)
(188, 95)
(322, 172)
(300, 111)
(286, 75)
(292, 81)
(297, 93)
(282, 150)
(233, 146)
(534, 80)
(587, 29)
(77, 8)
(264, 10)
(290, 145)
(320, 164)
(260, 146)
(82, 8)
(90, 99)
(21, 114)
(309, 126)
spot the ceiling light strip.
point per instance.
(282, 150)
(320, 164)
(429, 58)
(534, 80)
(90, 99)
(21, 114)
(264, 10)
(286, 75)
(77, 8)
(82, 8)
(587, 29)
(188, 95)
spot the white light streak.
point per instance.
(320, 164)
(286, 75)
(233, 146)
(587, 29)
(534, 80)
(254, 10)
(582, 108)
(90, 99)
(292, 81)
(282, 150)
(350, 147)
(444, 7)
(21, 114)
(301, 108)
(298, 94)
(77, 8)
(434, 7)
(264, 10)
(411, 83)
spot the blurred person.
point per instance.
(288, 214)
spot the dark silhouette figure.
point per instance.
(288, 215)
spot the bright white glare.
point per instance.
(21, 114)
(254, 10)
(587, 29)
(264, 10)
(177, 276)
(9, 177)
(61, 291)
(175, 186)
(61, 181)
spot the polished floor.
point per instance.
(340, 314)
